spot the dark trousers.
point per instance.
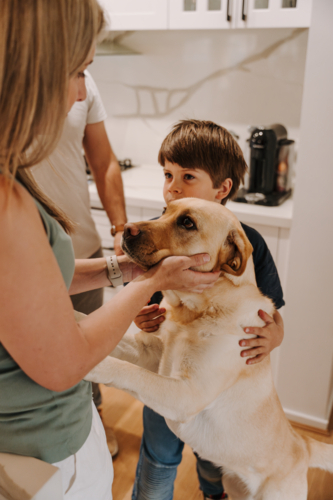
(88, 302)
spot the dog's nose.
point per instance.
(130, 231)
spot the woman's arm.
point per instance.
(37, 323)
(92, 273)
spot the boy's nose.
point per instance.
(175, 187)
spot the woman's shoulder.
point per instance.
(18, 210)
(15, 197)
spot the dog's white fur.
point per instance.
(191, 371)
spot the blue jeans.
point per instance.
(160, 454)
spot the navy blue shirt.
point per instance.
(267, 277)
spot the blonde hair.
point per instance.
(42, 44)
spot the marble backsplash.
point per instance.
(236, 78)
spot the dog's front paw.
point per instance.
(102, 373)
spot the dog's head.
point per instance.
(187, 227)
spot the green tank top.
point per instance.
(35, 421)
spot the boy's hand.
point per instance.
(149, 318)
(268, 337)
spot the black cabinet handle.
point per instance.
(228, 11)
(243, 11)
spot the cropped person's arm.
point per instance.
(37, 325)
(106, 171)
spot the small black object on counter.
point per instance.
(271, 162)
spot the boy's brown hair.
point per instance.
(206, 146)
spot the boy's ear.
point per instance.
(224, 189)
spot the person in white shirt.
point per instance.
(63, 178)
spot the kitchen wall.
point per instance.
(305, 377)
(236, 78)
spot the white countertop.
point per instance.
(143, 188)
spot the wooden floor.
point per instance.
(123, 414)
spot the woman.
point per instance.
(45, 407)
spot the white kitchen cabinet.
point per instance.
(226, 14)
(134, 214)
(136, 14)
(201, 14)
(205, 14)
(273, 13)
(103, 227)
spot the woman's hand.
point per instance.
(129, 269)
(174, 273)
(268, 337)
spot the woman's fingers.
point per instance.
(198, 280)
(196, 260)
(169, 273)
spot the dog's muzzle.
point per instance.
(131, 236)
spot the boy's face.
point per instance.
(191, 183)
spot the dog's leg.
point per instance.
(235, 487)
(142, 349)
(292, 487)
(174, 398)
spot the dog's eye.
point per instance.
(187, 223)
(164, 210)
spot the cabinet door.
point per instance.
(136, 14)
(201, 14)
(273, 13)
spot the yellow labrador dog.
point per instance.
(191, 371)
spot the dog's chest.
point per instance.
(184, 346)
(175, 344)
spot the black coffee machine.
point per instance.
(271, 161)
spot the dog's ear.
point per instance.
(235, 252)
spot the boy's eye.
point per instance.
(167, 175)
(188, 177)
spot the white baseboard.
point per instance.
(310, 420)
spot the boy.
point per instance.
(201, 160)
